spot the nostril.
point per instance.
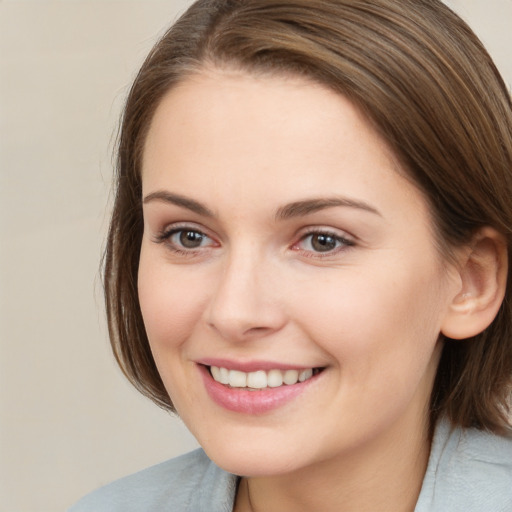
(257, 330)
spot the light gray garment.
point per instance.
(468, 471)
(190, 483)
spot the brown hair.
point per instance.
(428, 86)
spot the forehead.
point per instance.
(223, 132)
(217, 108)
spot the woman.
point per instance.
(308, 260)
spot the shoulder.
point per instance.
(191, 482)
(468, 471)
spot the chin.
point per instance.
(254, 463)
(256, 452)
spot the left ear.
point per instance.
(483, 271)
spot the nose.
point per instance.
(245, 304)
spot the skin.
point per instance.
(256, 288)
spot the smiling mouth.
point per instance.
(261, 379)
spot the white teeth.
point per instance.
(291, 377)
(305, 375)
(259, 379)
(274, 378)
(237, 379)
(215, 373)
(224, 376)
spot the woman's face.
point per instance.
(282, 244)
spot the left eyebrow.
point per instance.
(308, 206)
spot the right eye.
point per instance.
(189, 239)
(185, 239)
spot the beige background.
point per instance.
(69, 421)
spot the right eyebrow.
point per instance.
(178, 200)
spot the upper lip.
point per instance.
(251, 365)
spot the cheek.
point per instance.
(171, 303)
(381, 338)
(374, 323)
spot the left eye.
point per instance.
(322, 242)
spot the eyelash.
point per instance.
(342, 243)
(165, 237)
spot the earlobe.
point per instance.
(483, 273)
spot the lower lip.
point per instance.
(252, 402)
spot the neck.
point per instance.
(385, 476)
